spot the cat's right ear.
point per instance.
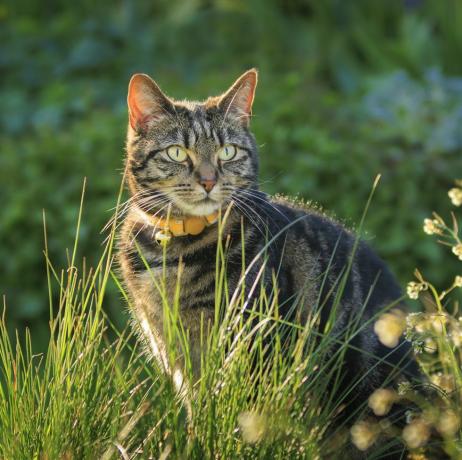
(146, 101)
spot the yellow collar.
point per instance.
(173, 226)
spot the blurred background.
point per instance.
(347, 90)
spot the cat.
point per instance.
(188, 160)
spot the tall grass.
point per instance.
(95, 394)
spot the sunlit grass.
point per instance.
(95, 393)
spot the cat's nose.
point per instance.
(207, 183)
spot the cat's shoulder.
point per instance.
(314, 212)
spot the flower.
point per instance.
(381, 401)
(456, 336)
(448, 423)
(457, 250)
(417, 456)
(404, 387)
(430, 346)
(455, 194)
(252, 425)
(364, 434)
(458, 281)
(418, 322)
(390, 327)
(431, 227)
(444, 381)
(416, 434)
(438, 321)
(413, 289)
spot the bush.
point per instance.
(332, 111)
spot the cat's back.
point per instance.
(317, 245)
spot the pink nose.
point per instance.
(208, 184)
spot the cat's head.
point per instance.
(191, 156)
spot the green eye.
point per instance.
(176, 153)
(227, 152)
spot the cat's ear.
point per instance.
(237, 101)
(146, 101)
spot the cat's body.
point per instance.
(192, 159)
(309, 254)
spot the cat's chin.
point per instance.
(202, 208)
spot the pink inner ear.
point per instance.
(137, 115)
(136, 118)
(248, 91)
(133, 115)
(142, 102)
(241, 95)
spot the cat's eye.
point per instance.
(176, 153)
(227, 152)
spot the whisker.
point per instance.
(145, 225)
(150, 201)
(124, 208)
(244, 212)
(253, 195)
(249, 212)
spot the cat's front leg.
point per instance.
(153, 338)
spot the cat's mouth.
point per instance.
(201, 207)
(206, 205)
(207, 199)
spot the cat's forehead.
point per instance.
(198, 127)
(193, 112)
(194, 124)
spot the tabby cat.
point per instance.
(185, 162)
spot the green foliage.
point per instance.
(347, 90)
(404, 128)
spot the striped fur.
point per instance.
(308, 242)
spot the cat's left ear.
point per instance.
(237, 101)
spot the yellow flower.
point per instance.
(416, 434)
(456, 336)
(413, 289)
(390, 327)
(444, 381)
(438, 321)
(457, 250)
(364, 434)
(458, 281)
(418, 322)
(381, 401)
(448, 423)
(252, 425)
(431, 227)
(421, 327)
(455, 194)
(417, 456)
(430, 346)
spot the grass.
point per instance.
(95, 393)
